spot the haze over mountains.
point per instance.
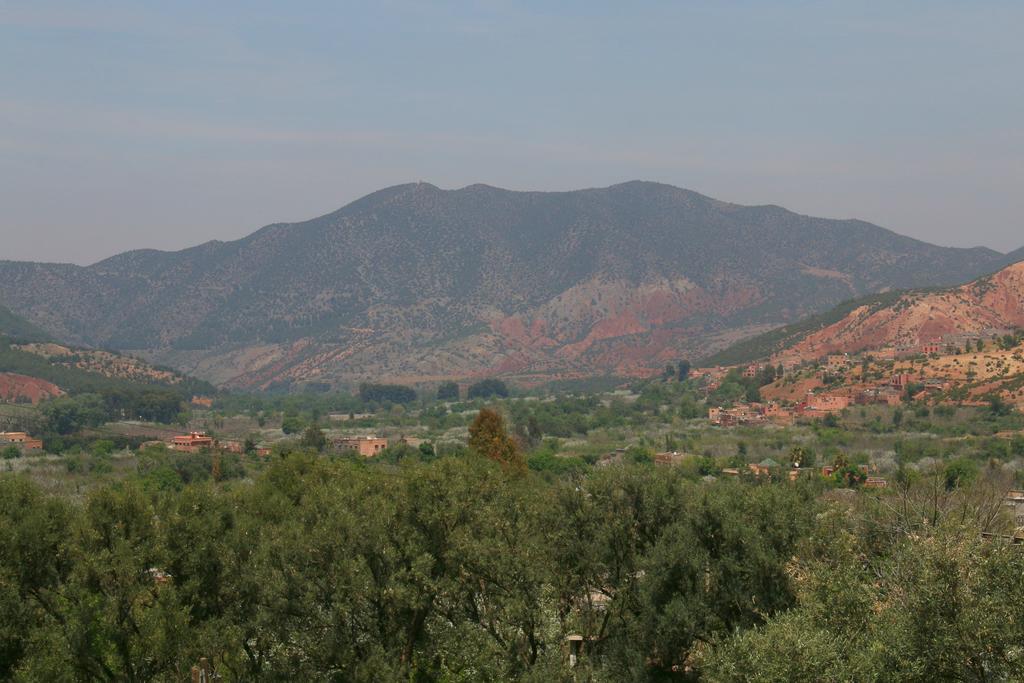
(417, 283)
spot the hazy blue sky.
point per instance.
(168, 124)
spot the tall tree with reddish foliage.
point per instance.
(489, 437)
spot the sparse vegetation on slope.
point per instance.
(414, 282)
(16, 327)
(765, 345)
(909, 318)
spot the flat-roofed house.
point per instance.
(22, 440)
(232, 446)
(827, 403)
(366, 446)
(901, 380)
(193, 442)
(774, 411)
(13, 437)
(837, 362)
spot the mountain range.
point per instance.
(415, 283)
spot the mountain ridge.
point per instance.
(17, 327)
(414, 281)
(1016, 255)
(904, 319)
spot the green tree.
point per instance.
(380, 393)
(639, 455)
(487, 388)
(801, 457)
(683, 370)
(959, 472)
(69, 414)
(668, 564)
(929, 602)
(99, 612)
(998, 407)
(448, 391)
(102, 447)
(35, 560)
(292, 424)
(313, 438)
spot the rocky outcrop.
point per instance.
(16, 388)
(990, 303)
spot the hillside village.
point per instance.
(201, 442)
(954, 369)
